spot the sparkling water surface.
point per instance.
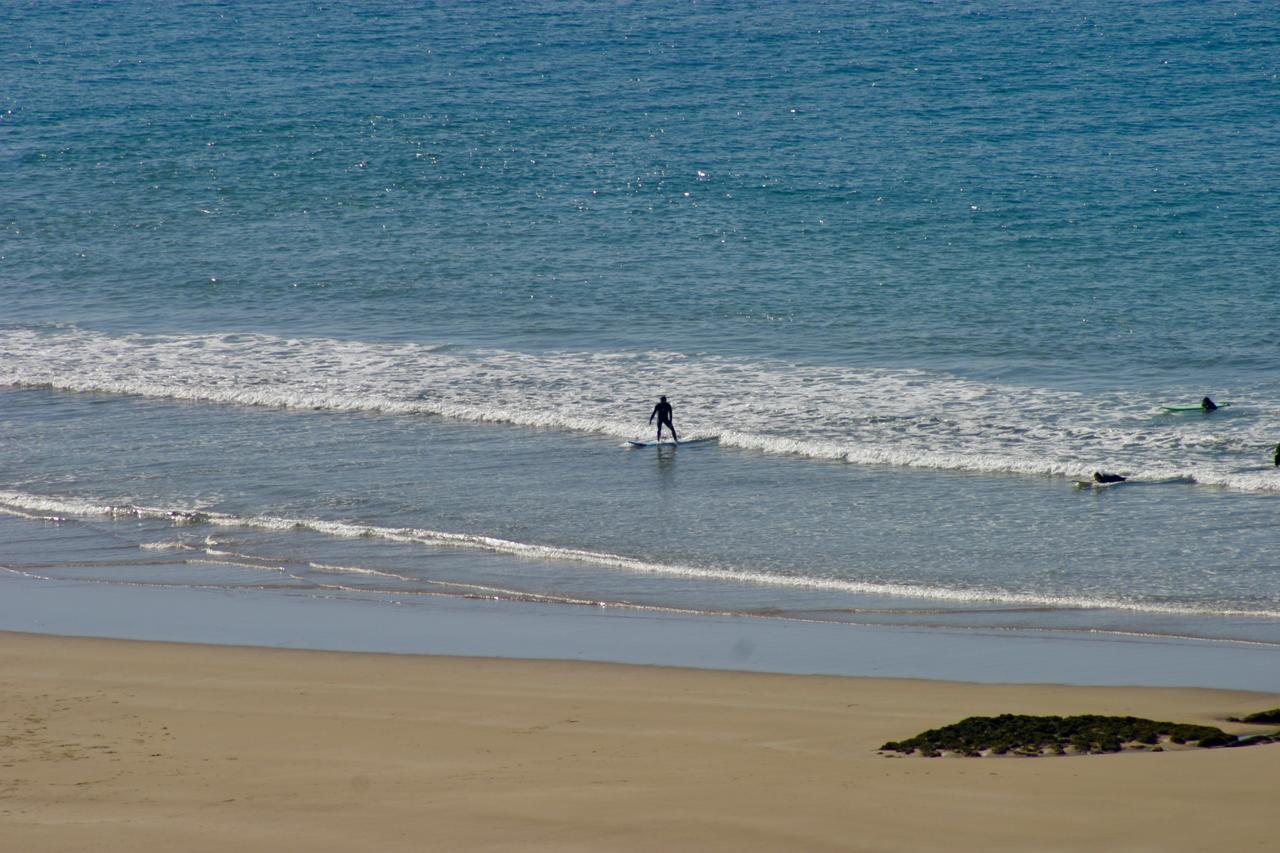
(378, 290)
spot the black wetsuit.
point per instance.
(662, 412)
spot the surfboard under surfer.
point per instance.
(662, 412)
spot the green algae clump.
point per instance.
(1027, 735)
(1272, 716)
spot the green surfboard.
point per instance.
(1176, 409)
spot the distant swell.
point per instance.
(53, 508)
(907, 418)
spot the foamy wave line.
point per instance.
(472, 590)
(355, 570)
(853, 453)
(871, 454)
(377, 404)
(479, 542)
(878, 455)
(35, 516)
(165, 546)
(908, 418)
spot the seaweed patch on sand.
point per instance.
(1026, 735)
(1272, 716)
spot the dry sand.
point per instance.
(112, 745)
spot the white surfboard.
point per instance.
(666, 442)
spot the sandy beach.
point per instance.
(119, 745)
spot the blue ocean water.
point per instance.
(364, 299)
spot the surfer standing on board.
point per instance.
(662, 412)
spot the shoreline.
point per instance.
(145, 746)
(505, 629)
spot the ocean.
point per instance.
(362, 301)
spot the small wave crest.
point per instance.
(17, 503)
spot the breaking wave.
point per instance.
(908, 418)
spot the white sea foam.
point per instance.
(18, 503)
(355, 570)
(229, 562)
(36, 516)
(165, 546)
(908, 418)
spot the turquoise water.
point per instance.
(375, 294)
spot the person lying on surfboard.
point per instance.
(1208, 405)
(1099, 477)
(662, 412)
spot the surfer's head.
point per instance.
(663, 398)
